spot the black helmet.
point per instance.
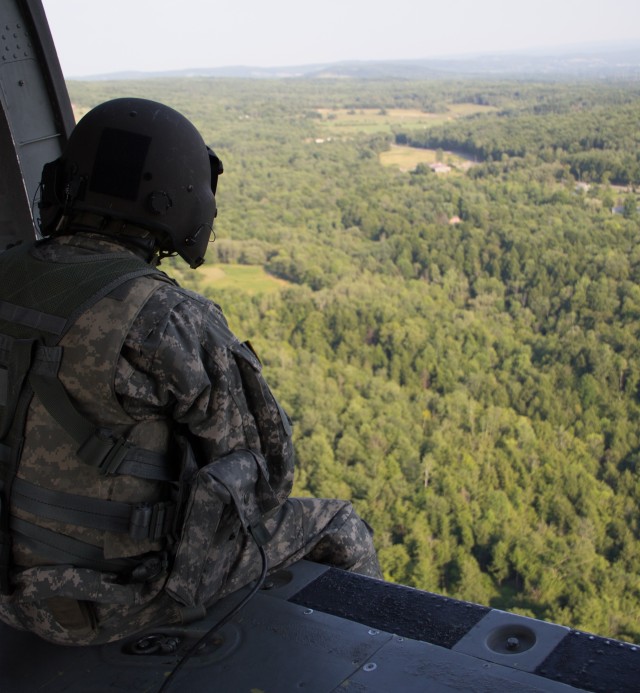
(140, 162)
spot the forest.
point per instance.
(456, 343)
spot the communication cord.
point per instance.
(217, 626)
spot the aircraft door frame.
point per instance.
(36, 117)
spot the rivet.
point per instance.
(371, 631)
(513, 643)
(307, 611)
(370, 666)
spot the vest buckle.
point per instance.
(151, 521)
(101, 450)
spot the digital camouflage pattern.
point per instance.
(152, 360)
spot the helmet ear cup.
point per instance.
(56, 194)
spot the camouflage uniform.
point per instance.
(176, 368)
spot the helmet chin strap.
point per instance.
(160, 255)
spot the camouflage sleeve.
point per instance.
(178, 363)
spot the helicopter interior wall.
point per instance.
(36, 114)
(15, 220)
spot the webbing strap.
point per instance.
(98, 447)
(5, 453)
(15, 359)
(5, 536)
(140, 521)
(62, 549)
(4, 385)
(29, 317)
(147, 464)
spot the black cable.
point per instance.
(36, 220)
(217, 626)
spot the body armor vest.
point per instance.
(83, 484)
(106, 530)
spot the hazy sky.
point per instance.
(116, 35)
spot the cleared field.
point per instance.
(407, 158)
(246, 278)
(342, 121)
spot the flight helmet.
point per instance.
(141, 163)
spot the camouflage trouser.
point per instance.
(318, 529)
(75, 606)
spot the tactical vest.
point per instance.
(82, 483)
(89, 498)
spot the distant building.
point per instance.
(439, 167)
(455, 220)
(620, 209)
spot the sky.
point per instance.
(154, 35)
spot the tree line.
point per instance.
(459, 353)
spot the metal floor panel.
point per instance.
(277, 644)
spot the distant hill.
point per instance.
(585, 61)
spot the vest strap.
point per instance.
(98, 447)
(15, 360)
(61, 549)
(140, 521)
(5, 542)
(32, 318)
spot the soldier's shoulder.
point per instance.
(169, 292)
(169, 299)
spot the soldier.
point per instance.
(145, 463)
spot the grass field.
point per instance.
(342, 121)
(407, 158)
(246, 278)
